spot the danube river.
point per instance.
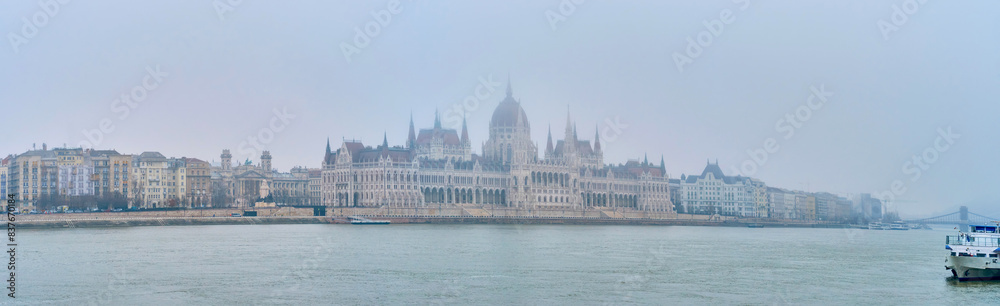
(486, 264)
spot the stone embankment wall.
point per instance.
(188, 213)
(433, 210)
(467, 214)
(120, 222)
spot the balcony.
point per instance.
(973, 241)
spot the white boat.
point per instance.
(899, 226)
(876, 226)
(366, 221)
(975, 256)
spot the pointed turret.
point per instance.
(437, 120)
(465, 131)
(569, 141)
(548, 146)
(663, 166)
(385, 145)
(328, 145)
(411, 139)
(645, 159)
(597, 140)
(510, 91)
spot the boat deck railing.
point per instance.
(973, 241)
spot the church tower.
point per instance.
(227, 160)
(265, 163)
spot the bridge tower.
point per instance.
(963, 218)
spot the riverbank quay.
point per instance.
(167, 221)
(289, 215)
(580, 221)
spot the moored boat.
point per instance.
(366, 221)
(974, 256)
(899, 226)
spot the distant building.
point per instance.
(806, 204)
(713, 192)
(111, 172)
(39, 176)
(315, 187)
(781, 203)
(868, 207)
(75, 179)
(70, 156)
(151, 178)
(291, 188)
(176, 182)
(199, 182)
(4, 176)
(675, 194)
(439, 143)
(241, 185)
(844, 208)
(826, 206)
(438, 167)
(33, 177)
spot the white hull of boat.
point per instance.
(966, 268)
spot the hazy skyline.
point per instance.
(893, 77)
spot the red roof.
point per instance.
(449, 135)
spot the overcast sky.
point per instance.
(893, 77)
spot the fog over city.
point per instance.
(874, 97)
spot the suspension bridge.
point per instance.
(962, 217)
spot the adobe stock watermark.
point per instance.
(613, 128)
(486, 88)
(655, 264)
(565, 9)
(223, 7)
(449, 294)
(786, 125)
(364, 35)
(30, 27)
(921, 162)
(318, 255)
(123, 106)
(116, 280)
(899, 16)
(254, 145)
(704, 39)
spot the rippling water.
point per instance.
(491, 264)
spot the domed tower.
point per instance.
(510, 133)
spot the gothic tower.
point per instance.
(411, 140)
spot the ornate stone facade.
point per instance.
(244, 183)
(437, 167)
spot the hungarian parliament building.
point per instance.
(437, 166)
